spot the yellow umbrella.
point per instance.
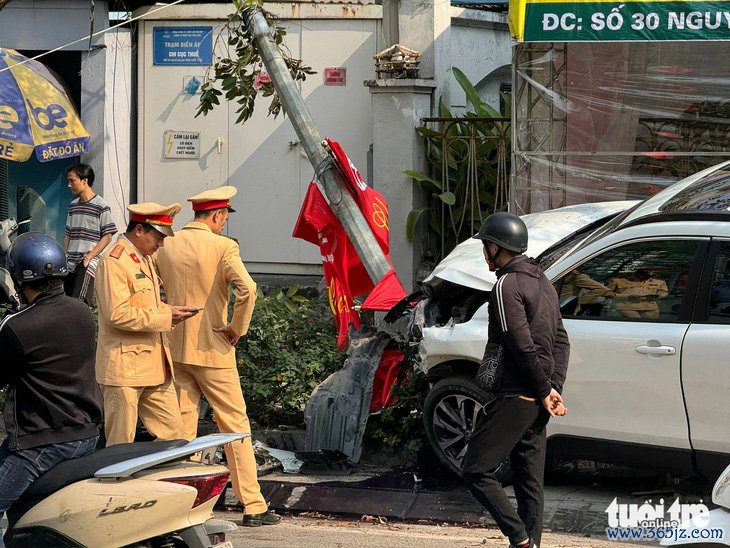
(36, 113)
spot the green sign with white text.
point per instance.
(625, 21)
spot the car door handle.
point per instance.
(656, 350)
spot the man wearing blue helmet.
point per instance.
(53, 404)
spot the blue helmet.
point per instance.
(34, 256)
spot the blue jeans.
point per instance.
(18, 469)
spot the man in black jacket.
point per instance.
(53, 404)
(524, 317)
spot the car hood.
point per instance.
(466, 266)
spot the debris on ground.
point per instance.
(287, 459)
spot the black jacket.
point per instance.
(536, 355)
(48, 365)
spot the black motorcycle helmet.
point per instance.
(34, 256)
(506, 230)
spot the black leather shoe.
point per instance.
(257, 520)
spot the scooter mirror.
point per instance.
(4, 239)
(8, 292)
(721, 491)
(8, 227)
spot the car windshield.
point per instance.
(609, 227)
(553, 253)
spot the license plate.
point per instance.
(226, 544)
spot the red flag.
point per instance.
(386, 294)
(386, 376)
(371, 202)
(341, 305)
(319, 225)
(314, 216)
(344, 271)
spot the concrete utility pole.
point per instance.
(341, 201)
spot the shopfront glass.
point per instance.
(601, 121)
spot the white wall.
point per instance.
(118, 106)
(480, 47)
(35, 25)
(262, 158)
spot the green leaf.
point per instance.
(421, 178)
(435, 225)
(292, 290)
(444, 112)
(481, 108)
(449, 198)
(412, 220)
(426, 132)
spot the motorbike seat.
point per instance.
(70, 471)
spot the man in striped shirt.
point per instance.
(89, 229)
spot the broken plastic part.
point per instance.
(337, 411)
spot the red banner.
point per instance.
(318, 225)
(370, 201)
(386, 376)
(344, 272)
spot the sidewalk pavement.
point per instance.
(578, 509)
(577, 494)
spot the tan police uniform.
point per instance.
(133, 362)
(636, 299)
(196, 267)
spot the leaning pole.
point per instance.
(341, 201)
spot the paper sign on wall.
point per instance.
(335, 76)
(181, 144)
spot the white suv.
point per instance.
(649, 376)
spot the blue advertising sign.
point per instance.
(182, 46)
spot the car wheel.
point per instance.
(449, 414)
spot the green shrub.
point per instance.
(289, 349)
(400, 428)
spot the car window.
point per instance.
(720, 288)
(643, 281)
(557, 250)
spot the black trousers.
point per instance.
(80, 284)
(510, 427)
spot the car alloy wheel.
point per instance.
(450, 412)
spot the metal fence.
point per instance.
(470, 157)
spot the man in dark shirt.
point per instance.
(53, 404)
(524, 317)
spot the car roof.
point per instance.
(466, 266)
(704, 195)
(707, 191)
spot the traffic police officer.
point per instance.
(133, 364)
(203, 349)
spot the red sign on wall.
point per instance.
(335, 76)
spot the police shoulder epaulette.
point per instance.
(117, 251)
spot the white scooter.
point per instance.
(148, 494)
(712, 528)
(8, 227)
